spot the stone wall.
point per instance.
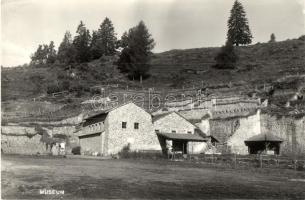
(232, 132)
(197, 147)
(248, 127)
(92, 143)
(21, 139)
(204, 126)
(22, 144)
(289, 128)
(174, 122)
(143, 138)
(177, 123)
(194, 113)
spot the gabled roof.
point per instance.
(158, 117)
(105, 112)
(264, 137)
(197, 129)
(97, 114)
(181, 136)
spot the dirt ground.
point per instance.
(24, 177)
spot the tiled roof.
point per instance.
(267, 137)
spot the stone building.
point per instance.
(110, 131)
(264, 143)
(178, 134)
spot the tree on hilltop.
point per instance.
(66, 51)
(103, 40)
(238, 28)
(94, 48)
(81, 43)
(51, 54)
(38, 56)
(134, 59)
(107, 37)
(272, 38)
(123, 42)
(44, 54)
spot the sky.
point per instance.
(174, 24)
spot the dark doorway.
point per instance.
(263, 147)
(180, 146)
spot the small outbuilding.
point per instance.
(264, 143)
(178, 135)
(179, 141)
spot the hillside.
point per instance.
(258, 64)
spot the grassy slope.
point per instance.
(257, 64)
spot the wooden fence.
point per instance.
(258, 161)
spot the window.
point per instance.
(136, 125)
(189, 132)
(124, 124)
(173, 131)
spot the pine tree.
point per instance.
(134, 59)
(124, 40)
(81, 43)
(37, 55)
(51, 54)
(45, 53)
(226, 58)
(272, 38)
(41, 55)
(238, 28)
(107, 37)
(94, 48)
(103, 40)
(66, 51)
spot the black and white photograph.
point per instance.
(152, 99)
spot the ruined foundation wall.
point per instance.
(17, 139)
(233, 131)
(22, 144)
(194, 113)
(290, 129)
(248, 127)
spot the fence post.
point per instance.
(235, 160)
(261, 160)
(213, 158)
(295, 164)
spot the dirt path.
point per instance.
(24, 177)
